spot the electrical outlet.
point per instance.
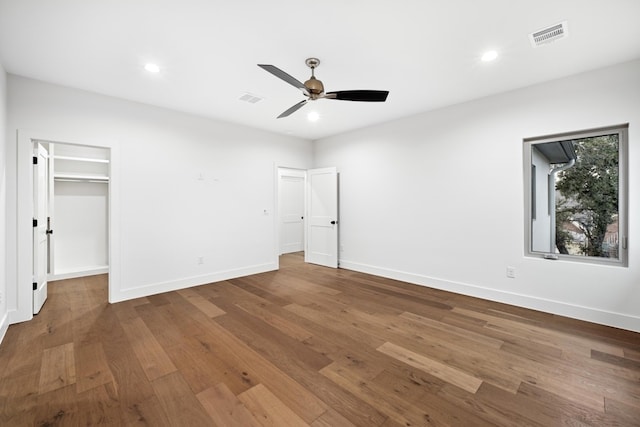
(200, 260)
(341, 248)
(511, 272)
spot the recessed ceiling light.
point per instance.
(313, 116)
(152, 68)
(489, 56)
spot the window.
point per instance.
(576, 196)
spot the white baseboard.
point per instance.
(608, 318)
(91, 271)
(188, 282)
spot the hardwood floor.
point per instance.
(311, 346)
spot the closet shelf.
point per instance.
(81, 159)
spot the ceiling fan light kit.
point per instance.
(313, 88)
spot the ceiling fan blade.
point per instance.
(359, 95)
(293, 109)
(284, 76)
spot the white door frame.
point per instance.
(24, 297)
(276, 219)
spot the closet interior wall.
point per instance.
(79, 211)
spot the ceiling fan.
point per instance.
(314, 89)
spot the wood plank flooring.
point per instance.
(311, 346)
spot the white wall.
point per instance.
(80, 227)
(3, 204)
(437, 199)
(187, 187)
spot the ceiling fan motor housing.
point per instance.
(315, 87)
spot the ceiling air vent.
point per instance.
(252, 99)
(549, 34)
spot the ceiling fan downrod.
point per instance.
(313, 85)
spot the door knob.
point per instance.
(49, 231)
(333, 222)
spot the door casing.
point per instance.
(335, 261)
(20, 298)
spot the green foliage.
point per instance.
(592, 187)
(563, 237)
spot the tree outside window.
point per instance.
(587, 196)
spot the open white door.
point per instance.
(322, 217)
(40, 213)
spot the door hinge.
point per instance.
(35, 286)
(35, 160)
(35, 222)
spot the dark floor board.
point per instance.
(623, 362)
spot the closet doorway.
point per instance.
(79, 243)
(84, 163)
(71, 214)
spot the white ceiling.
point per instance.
(425, 52)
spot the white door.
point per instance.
(40, 213)
(322, 217)
(291, 208)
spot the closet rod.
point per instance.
(96, 179)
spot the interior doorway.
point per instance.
(291, 190)
(307, 220)
(79, 221)
(70, 211)
(75, 160)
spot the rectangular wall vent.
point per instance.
(252, 99)
(549, 34)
